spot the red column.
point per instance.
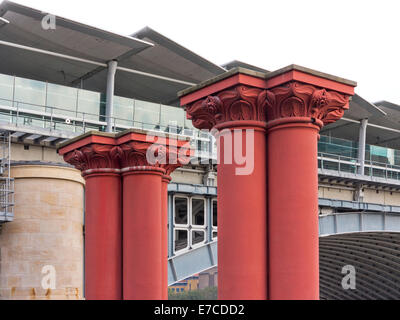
(296, 102)
(142, 259)
(145, 215)
(164, 236)
(103, 247)
(134, 268)
(242, 238)
(103, 254)
(242, 225)
(296, 112)
(293, 210)
(178, 153)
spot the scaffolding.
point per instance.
(6, 182)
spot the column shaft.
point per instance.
(242, 246)
(142, 262)
(164, 237)
(293, 211)
(103, 247)
(361, 145)
(112, 69)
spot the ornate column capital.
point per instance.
(175, 158)
(94, 158)
(129, 151)
(238, 103)
(134, 154)
(299, 100)
(242, 95)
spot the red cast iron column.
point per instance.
(176, 157)
(166, 179)
(141, 223)
(145, 213)
(103, 231)
(233, 104)
(299, 102)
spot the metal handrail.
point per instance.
(371, 165)
(51, 120)
(83, 121)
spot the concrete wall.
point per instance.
(382, 197)
(335, 193)
(47, 231)
(34, 153)
(188, 176)
(371, 195)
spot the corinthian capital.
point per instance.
(243, 95)
(93, 156)
(141, 154)
(296, 99)
(234, 104)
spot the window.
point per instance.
(215, 213)
(214, 219)
(181, 211)
(190, 222)
(198, 212)
(198, 237)
(181, 239)
(198, 221)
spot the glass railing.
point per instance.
(342, 155)
(348, 148)
(47, 106)
(42, 97)
(345, 164)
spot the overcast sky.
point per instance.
(357, 40)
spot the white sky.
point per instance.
(354, 39)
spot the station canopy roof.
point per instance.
(151, 66)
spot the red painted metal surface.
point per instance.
(293, 212)
(270, 253)
(242, 227)
(103, 254)
(295, 75)
(142, 254)
(164, 236)
(126, 261)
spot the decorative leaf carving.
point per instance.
(301, 100)
(235, 104)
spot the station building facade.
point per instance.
(57, 84)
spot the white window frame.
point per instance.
(199, 228)
(214, 229)
(188, 239)
(187, 209)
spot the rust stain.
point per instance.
(48, 293)
(13, 289)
